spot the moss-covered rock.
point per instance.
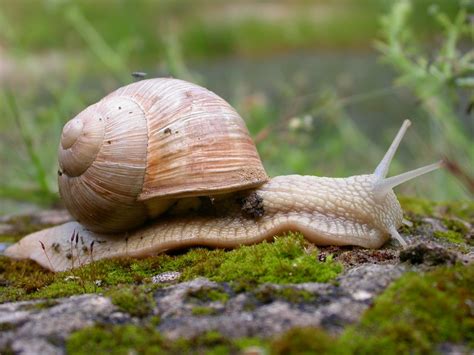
(146, 340)
(417, 313)
(275, 284)
(207, 294)
(136, 301)
(289, 259)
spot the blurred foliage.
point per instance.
(439, 77)
(61, 56)
(204, 28)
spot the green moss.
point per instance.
(288, 259)
(8, 238)
(134, 300)
(416, 205)
(303, 341)
(126, 339)
(268, 293)
(452, 214)
(446, 210)
(22, 225)
(206, 294)
(414, 315)
(203, 311)
(21, 279)
(40, 305)
(7, 351)
(418, 312)
(460, 209)
(155, 321)
(453, 237)
(123, 339)
(5, 327)
(456, 231)
(455, 225)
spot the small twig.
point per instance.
(93, 266)
(458, 172)
(46, 254)
(75, 238)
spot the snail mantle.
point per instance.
(162, 164)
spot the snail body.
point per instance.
(216, 193)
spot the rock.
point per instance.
(453, 349)
(6, 228)
(33, 329)
(331, 306)
(43, 326)
(32, 221)
(427, 253)
(190, 309)
(34, 346)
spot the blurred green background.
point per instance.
(323, 85)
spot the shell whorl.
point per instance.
(102, 171)
(130, 155)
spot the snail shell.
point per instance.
(128, 157)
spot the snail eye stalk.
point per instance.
(384, 185)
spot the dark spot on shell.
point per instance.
(56, 247)
(176, 132)
(252, 205)
(60, 173)
(109, 142)
(130, 113)
(120, 107)
(167, 131)
(100, 118)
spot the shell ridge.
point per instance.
(147, 119)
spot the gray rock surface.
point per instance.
(31, 327)
(36, 327)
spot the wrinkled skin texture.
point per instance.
(328, 211)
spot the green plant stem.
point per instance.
(109, 57)
(41, 176)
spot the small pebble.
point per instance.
(362, 295)
(169, 276)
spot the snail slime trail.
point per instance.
(192, 176)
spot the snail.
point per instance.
(162, 164)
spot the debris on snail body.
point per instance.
(162, 164)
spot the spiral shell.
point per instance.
(128, 157)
